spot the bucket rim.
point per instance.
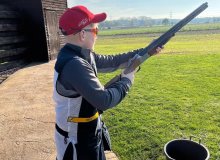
(165, 146)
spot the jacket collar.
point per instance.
(82, 52)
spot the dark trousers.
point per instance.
(91, 149)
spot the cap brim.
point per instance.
(99, 18)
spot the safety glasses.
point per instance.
(93, 30)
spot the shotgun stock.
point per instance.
(159, 42)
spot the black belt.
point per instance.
(62, 132)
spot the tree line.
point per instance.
(147, 21)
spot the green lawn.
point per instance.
(176, 94)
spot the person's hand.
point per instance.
(155, 51)
(130, 75)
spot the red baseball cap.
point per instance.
(76, 18)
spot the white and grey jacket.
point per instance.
(79, 93)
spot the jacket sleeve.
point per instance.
(78, 75)
(110, 63)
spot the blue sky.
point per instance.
(154, 9)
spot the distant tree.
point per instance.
(165, 21)
(216, 19)
(146, 21)
(142, 21)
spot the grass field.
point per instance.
(176, 94)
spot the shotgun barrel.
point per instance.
(159, 42)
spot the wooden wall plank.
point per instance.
(8, 27)
(11, 40)
(12, 52)
(8, 14)
(13, 64)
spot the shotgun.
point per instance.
(159, 42)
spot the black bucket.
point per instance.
(184, 149)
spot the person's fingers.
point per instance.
(158, 49)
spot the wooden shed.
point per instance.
(52, 10)
(32, 23)
(13, 41)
